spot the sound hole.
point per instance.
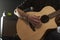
(44, 19)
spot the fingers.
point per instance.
(34, 20)
(36, 17)
(36, 25)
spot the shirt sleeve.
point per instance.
(48, 35)
(52, 35)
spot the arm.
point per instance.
(34, 20)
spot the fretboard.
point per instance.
(54, 14)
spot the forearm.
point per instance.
(20, 13)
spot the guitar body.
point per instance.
(26, 33)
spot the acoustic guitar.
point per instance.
(47, 15)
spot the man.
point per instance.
(37, 5)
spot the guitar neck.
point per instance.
(54, 14)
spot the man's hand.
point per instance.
(34, 20)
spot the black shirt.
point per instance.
(52, 35)
(39, 4)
